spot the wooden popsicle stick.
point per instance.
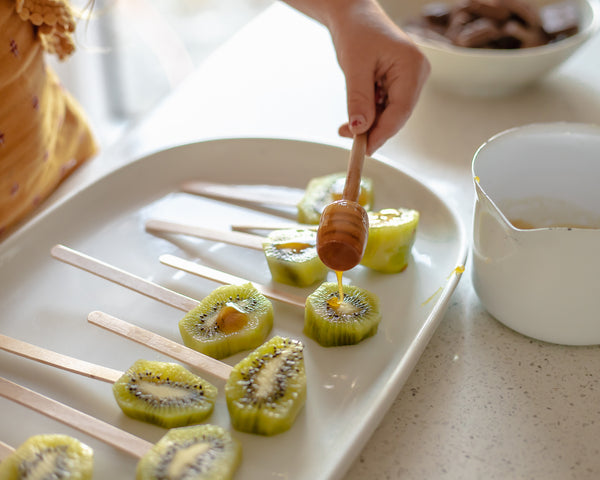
(121, 277)
(109, 434)
(5, 450)
(161, 344)
(247, 240)
(238, 227)
(64, 362)
(227, 279)
(249, 194)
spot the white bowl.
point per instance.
(543, 278)
(491, 72)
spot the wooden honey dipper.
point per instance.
(344, 224)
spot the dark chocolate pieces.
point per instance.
(504, 24)
(560, 20)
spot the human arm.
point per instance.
(384, 69)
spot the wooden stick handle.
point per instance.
(175, 350)
(58, 360)
(121, 277)
(5, 450)
(124, 441)
(239, 227)
(227, 279)
(246, 240)
(249, 194)
(355, 166)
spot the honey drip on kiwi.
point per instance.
(337, 191)
(295, 247)
(335, 302)
(231, 319)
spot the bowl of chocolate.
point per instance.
(496, 47)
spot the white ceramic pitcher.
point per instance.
(536, 231)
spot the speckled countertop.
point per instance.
(483, 401)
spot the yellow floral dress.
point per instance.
(44, 135)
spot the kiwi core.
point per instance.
(161, 390)
(45, 463)
(341, 307)
(185, 458)
(231, 319)
(268, 375)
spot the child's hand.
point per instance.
(384, 72)
(384, 69)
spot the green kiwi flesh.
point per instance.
(199, 452)
(292, 257)
(49, 456)
(165, 394)
(392, 234)
(334, 323)
(231, 319)
(267, 389)
(321, 191)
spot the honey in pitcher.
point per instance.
(542, 212)
(524, 225)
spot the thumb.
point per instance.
(361, 101)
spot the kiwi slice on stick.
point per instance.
(199, 452)
(333, 323)
(292, 257)
(231, 319)
(321, 191)
(165, 394)
(49, 456)
(266, 390)
(392, 234)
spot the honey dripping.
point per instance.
(340, 286)
(335, 302)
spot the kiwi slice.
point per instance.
(199, 452)
(165, 394)
(332, 322)
(266, 390)
(49, 456)
(232, 318)
(392, 234)
(321, 191)
(292, 257)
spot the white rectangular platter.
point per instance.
(46, 302)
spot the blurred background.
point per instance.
(131, 53)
